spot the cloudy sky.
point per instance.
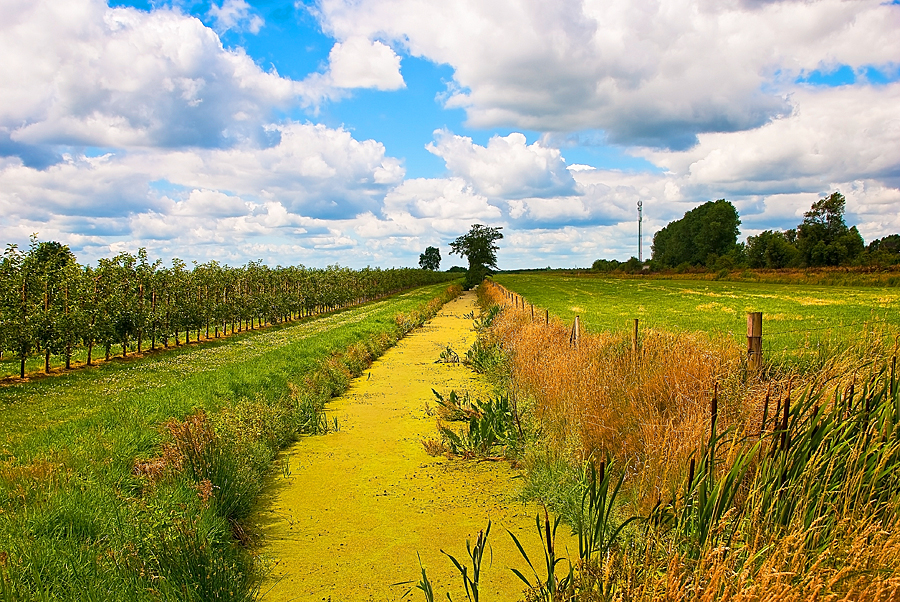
(359, 132)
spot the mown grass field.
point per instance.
(80, 520)
(798, 319)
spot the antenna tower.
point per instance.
(640, 238)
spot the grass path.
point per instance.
(357, 505)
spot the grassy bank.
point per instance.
(130, 481)
(777, 485)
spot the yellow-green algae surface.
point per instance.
(346, 516)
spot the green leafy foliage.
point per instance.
(823, 238)
(480, 248)
(127, 303)
(632, 266)
(491, 423)
(773, 250)
(476, 556)
(430, 259)
(471, 579)
(700, 237)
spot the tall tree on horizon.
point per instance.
(430, 259)
(823, 238)
(705, 232)
(480, 248)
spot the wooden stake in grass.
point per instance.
(754, 340)
(576, 332)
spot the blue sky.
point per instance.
(331, 131)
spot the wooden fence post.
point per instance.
(547, 316)
(754, 340)
(576, 332)
(532, 312)
(634, 338)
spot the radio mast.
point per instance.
(640, 239)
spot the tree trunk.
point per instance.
(168, 328)
(90, 349)
(140, 311)
(207, 313)
(47, 361)
(153, 311)
(68, 335)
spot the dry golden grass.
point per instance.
(650, 409)
(861, 563)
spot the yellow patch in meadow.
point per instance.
(817, 301)
(716, 307)
(782, 317)
(712, 294)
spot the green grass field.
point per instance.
(797, 318)
(76, 519)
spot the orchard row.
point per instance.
(51, 305)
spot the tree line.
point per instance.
(51, 305)
(707, 237)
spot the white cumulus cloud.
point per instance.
(645, 72)
(86, 74)
(360, 63)
(235, 14)
(507, 167)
